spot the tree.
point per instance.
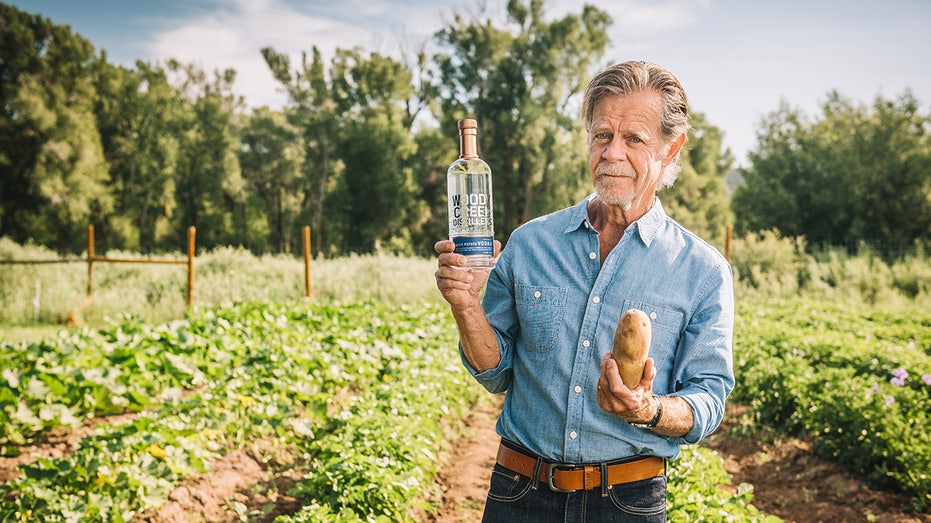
(314, 113)
(857, 174)
(54, 173)
(356, 119)
(372, 94)
(208, 184)
(142, 120)
(271, 161)
(699, 199)
(523, 88)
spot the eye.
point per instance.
(602, 136)
(635, 139)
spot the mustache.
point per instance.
(614, 169)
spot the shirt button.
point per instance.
(592, 256)
(596, 299)
(577, 389)
(586, 343)
(653, 315)
(536, 294)
(573, 434)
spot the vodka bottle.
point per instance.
(471, 222)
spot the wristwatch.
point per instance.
(653, 422)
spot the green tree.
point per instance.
(313, 111)
(435, 151)
(271, 161)
(142, 120)
(208, 187)
(699, 200)
(523, 87)
(53, 169)
(372, 94)
(356, 119)
(857, 174)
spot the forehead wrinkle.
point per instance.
(638, 120)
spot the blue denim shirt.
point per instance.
(554, 310)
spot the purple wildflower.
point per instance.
(927, 379)
(890, 400)
(900, 375)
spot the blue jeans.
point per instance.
(513, 498)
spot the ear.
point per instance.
(674, 149)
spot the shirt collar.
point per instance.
(649, 224)
(647, 227)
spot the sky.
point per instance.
(737, 59)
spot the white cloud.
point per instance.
(232, 37)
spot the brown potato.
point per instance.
(632, 345)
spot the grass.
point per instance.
(34, 298)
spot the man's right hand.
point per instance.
(459, 285)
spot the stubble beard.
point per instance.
(609, 189)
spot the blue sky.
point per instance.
(737, 59)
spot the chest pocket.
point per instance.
(666, 326)
(540, 310)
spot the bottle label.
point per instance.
(471, 245)
(469, 212)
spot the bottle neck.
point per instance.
(468, 148)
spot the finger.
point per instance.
(649, 373)
(497, 248)
(447, 273)
(444, 246)
(612, 375)
(450, 259)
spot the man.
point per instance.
(577, 444)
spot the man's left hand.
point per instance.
(634, 405)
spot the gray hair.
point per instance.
(636, 76)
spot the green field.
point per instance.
(359, 390)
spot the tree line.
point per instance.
(360, 149)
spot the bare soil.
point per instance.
(789, 480)
(792, 482)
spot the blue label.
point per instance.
(470, 245)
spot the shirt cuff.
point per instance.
(703, 420)
(494, 380)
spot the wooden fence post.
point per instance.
(727, 243)
(307, 261)
(190, 265)
(90, 261)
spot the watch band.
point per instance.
(653, 422)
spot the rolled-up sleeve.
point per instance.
(705, 371)
(498, 304)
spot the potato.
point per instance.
(632, 345)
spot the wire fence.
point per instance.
(93, 258)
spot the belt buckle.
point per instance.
(550, 470)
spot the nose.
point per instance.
(614, 150)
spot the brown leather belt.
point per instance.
(569, 478)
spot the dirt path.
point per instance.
(465, 479)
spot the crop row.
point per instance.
(358, 395)
(354, 390)
(858, 383)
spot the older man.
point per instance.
(577, 444)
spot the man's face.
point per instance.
(626, 153)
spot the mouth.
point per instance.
(613, 170)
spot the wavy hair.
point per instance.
(637, 76)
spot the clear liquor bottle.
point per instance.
(471, 219)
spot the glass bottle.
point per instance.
(471, 220)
